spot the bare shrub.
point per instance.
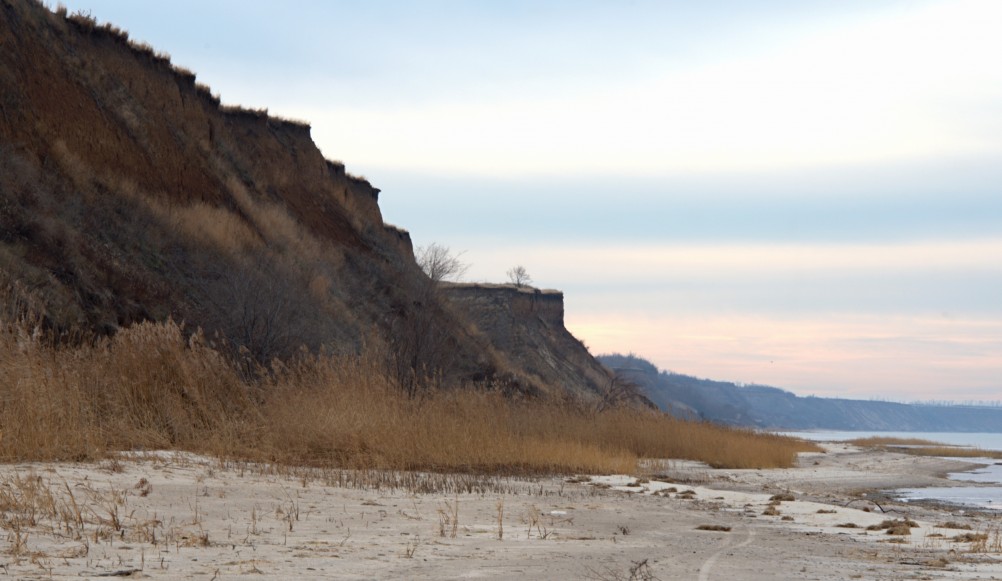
(720, 528)
(269, 315)
(637, 571)
(519, 276)
(440, 263)
(621, 391)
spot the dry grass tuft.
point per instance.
(970, 538)
(895, 527)
(720, 528)
(989, 541)
(899, 529)
(954, 525)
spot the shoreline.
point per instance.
(178, 515)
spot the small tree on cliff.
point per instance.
(423, 347)
(439, 263)
(519, 276)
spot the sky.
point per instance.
(805, 194)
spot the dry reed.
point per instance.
(877, 441)
(920, 447)
(153, 387)
(952, 451)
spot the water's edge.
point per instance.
(982, 497)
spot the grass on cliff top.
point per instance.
(150, 387)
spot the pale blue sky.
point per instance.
(804, 194)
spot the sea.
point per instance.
(984, 497)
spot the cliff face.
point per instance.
(83, 100)
(526, 325)
(129, 193)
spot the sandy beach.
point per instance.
(179, 516)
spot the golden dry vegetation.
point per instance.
(877, 441)
(953, 451)
(151, 387)
(138, 197)
(920, 447)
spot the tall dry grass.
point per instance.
(150, 386)
(920, 447)
(881, 441)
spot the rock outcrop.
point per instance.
(527, 326)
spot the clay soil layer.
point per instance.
(181, 516)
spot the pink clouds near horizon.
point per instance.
(895, 357)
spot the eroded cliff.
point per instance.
(129, 193)
(527, 326)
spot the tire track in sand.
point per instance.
(704, 571)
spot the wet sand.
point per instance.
(181, 516)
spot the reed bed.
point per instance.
(921, 447)
(879, 441)
(953, 451)
(152, 386)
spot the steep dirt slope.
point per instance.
(128, 193)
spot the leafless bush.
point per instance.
(620, 392)
(519, 276)
(261, 310)
(440, 263)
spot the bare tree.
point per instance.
(519, 276)
(621, 392)
(439, 263)
(424, 347)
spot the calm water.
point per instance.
(984, 497)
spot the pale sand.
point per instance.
(200, 519)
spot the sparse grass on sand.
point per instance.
(954, 452)
(920, 447)
(878, 441)
(151, 387)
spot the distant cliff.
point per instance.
(769, 407)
